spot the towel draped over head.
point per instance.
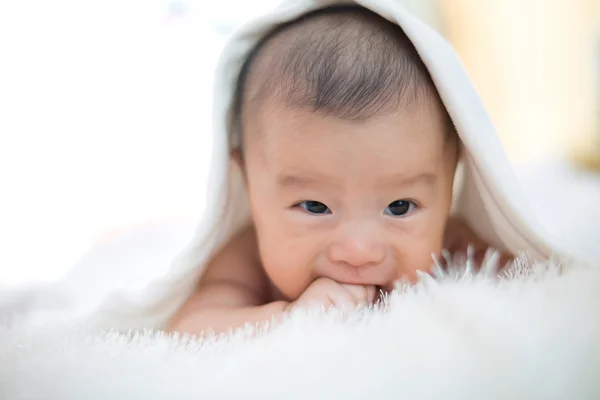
(487, 193)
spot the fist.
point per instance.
(459, 236)
(325, 292)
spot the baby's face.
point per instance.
(361, 202)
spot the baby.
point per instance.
(349, 159)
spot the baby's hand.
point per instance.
(329, 293)
(459, 236)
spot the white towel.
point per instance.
(488, 197)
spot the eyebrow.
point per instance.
(425, 178)
(291, 180)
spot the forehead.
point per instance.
(406, 141)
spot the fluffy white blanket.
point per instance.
(532, 335)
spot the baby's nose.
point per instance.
(357, 248)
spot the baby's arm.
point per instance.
(233, 291)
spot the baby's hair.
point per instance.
(344, 61)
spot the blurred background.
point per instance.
(105, 119)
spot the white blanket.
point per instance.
(533, 337)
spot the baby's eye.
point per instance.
(314, 207)
(399, 208)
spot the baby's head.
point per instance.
(348, 153)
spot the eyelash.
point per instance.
(411, 203)
(411, 207)
(299, 205)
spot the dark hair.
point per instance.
(344, 61)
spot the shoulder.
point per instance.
(238, 267)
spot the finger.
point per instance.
(362, 294)
(372, 293)
(481, 254)
(331, 294)
(506, 261)
(495, 261)
(485, 253)
(341, 297)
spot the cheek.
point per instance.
(287, 258)
(415, 248)
(287, 263)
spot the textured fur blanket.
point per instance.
(533, 334)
